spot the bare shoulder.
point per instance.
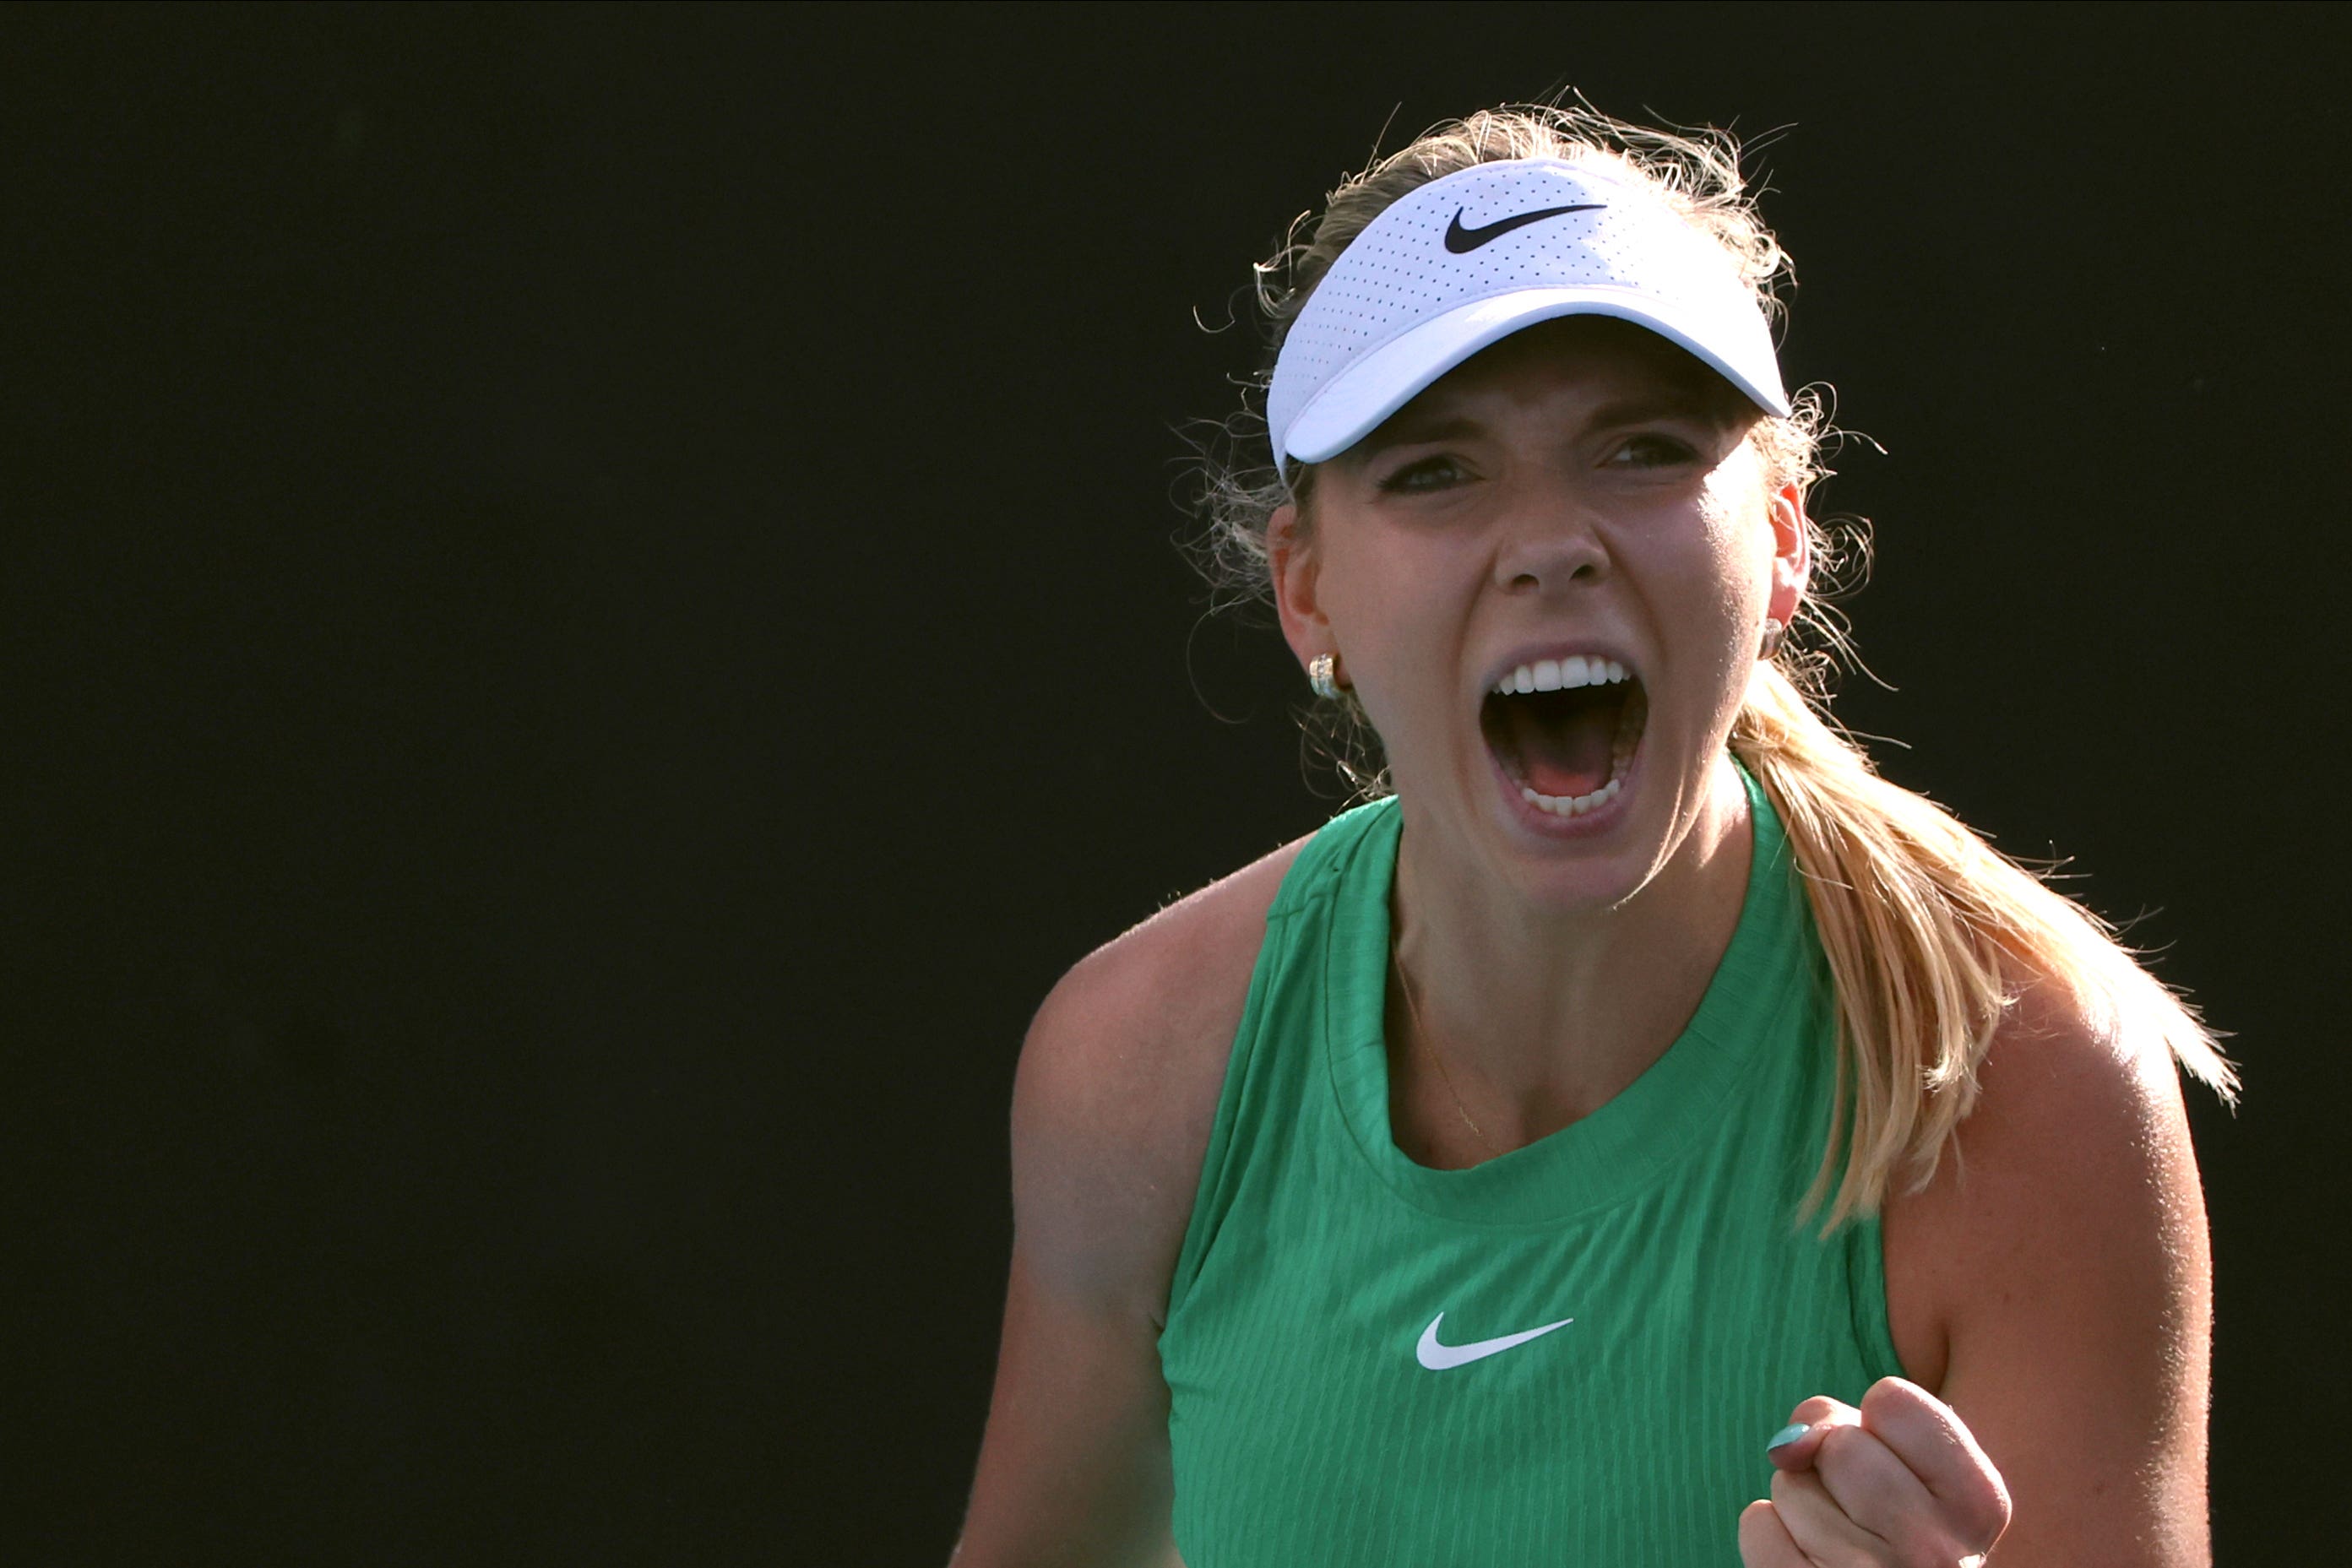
(1118, 1089)
(2055, 1281)
(2079, 1126)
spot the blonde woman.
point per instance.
(1638, 1132)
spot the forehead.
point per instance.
(1598, 356)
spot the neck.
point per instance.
(1543, 1016)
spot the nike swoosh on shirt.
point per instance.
(1462, 241)
(1438, 1357)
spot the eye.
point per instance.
(1651, 450)
(1426, 474)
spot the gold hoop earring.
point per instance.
(1322, 673)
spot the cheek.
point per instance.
(1393, 594)
(1696, 574)
(1712, 578)
(1398, 617)
(1737, 535)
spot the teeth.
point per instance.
(1559, 675)
(1570, 805)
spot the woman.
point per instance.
(1481, 1179)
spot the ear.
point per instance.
(1792, 558)
(1296, 568)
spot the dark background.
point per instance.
(591, 619)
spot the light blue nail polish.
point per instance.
(1787, 1435)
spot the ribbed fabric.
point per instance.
(1306, 1431)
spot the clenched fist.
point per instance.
(1899, 1482)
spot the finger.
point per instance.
(1872, 1487)
(1822, 1531)
(1931, 1440)
(1792, 1447)
(1765, 1542)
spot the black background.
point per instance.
(591, 619)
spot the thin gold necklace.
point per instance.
(1430, 1042)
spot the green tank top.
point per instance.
(1667, 1307)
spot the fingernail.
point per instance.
(1787, 1435)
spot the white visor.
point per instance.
(1465, 261)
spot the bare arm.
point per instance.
(1074, 1468)
(1112, 1109)
(2099, 1283)
(2069, 1250)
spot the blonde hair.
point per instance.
(1930, 934)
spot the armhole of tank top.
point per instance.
(1867, 1284)
(1309, 878)
(1208, 1203)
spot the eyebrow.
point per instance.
(1687, 402)
(1682, 403)
(1404, 431)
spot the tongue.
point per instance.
(1563, 750)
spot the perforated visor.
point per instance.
(1349, 407)
(1465, 260)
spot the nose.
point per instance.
(1549, 543)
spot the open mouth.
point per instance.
(1565, 731)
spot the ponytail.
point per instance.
(1928, 930)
